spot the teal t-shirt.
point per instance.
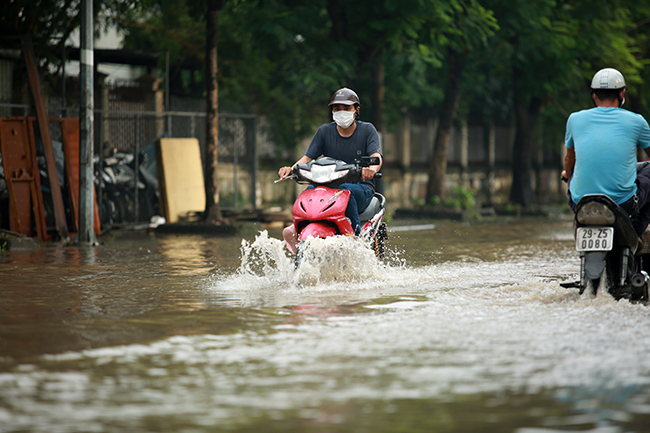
(605, 140)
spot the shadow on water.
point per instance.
(462, 328)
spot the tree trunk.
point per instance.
(438, 164)
(526, 117)
(212, 208)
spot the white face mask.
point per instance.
(343, 118)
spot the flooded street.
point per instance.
(463, 328)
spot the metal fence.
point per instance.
(135, 132)
(130, 135)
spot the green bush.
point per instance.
(463, 199)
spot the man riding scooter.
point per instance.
(346, 139)
(601, 147)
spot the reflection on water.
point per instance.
(463, 328)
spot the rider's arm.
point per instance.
(569, 162)
(286, 171)
(647, 151)
(370, 172)
(570, 157)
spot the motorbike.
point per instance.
(115, 177)
(611, 252)
(320, 212)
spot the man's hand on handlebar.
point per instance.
(284, 172)
(368, 173)
(564, 176)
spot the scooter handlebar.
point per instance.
(291, 176)
(354, 170)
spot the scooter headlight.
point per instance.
(323, 173)
(305, 173)
(594, 213)
(339, 174)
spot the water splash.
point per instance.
(346, 269)
(323, 261)
(265, 257)
(337, 259)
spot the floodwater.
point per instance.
(463, 328)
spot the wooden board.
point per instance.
(22, 176)
(70, 133)
(18, 142)
(57, 197)
(180, 177)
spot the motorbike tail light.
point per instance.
(594, 213)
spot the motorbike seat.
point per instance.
(377, 203)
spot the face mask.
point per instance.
(343, 118)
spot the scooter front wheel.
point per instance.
(379, 242)
(300, 251)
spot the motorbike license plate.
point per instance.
(594, 238)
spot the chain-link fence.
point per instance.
(125, 162)
(135, 132)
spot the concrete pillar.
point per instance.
(464, 150)
(86, 234)
(538, 164)
(561, 185)
(102, 121)
(154, 100)
(405, 141)
(405, 156)
(491, 162)
(432, 130)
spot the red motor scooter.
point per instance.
(319, 212)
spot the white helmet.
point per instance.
(608, 78)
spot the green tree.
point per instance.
(552, 48)
(212, 209)
(283, 59)
(368, 34)
(469, 25)
(639, 31)
(49, 23)
(270, 55)
(41, 20)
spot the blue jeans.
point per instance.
(360, 195)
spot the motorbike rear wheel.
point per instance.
(109, 212)
(610, 279)
(592, 286)
(613, 275)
